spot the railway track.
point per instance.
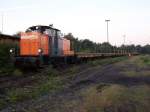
(27, 76)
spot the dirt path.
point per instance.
(70, 99)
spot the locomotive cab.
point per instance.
(47, 40)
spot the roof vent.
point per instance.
(51, 25)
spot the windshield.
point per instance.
(34, 29)
(44, 30)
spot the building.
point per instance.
(9, 39)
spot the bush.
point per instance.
(4, 57)
(5, 62)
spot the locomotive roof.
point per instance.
(43, 26)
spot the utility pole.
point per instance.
(124, 39)
(2, 21)
(107, 20)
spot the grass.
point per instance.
(20, 94)
(73, 70)
(141, 61)
(117, 98)
(139, 66)
(145, 59)
(46, 82)
(106, 61)
(17, 73)
(51, 81)
(131, 73)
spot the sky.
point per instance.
(85, 19)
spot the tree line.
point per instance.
(86, 45)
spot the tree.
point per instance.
(86, 45)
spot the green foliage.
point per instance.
(6, 66)
(145, 49)
(48, 81)
(53, 84)
(106, 61)
(4, 54)
(21, 94)
(86, 45)
(145, 59)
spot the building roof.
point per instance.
(6, 36)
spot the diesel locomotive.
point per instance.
(42, 45)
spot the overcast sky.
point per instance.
(83, 18)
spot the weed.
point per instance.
(17, 73)
(145, 59)
(116, 98)
(102, 86)
(131, 73)
(52, 72)
(72, 71)
(18, 94)
(2, 103)
(53, 84)
(21, 94)
(141, 61)
(106, 61)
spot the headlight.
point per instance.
(12, 50)
(40, 50)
